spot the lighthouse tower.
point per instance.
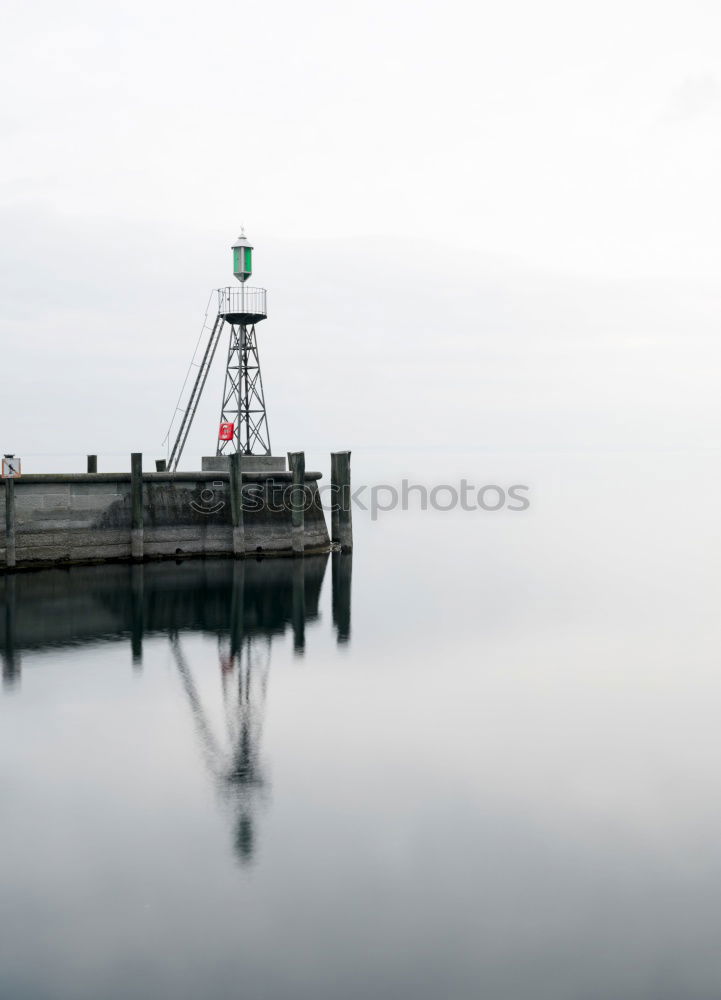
(243, 420)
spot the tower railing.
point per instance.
(242, 301)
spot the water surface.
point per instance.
(480, 758)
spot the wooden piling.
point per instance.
(161, 465)
(136, 499)
(296, 464)
(341, 513)
(92, 463)
(10, 523)
(236, 505)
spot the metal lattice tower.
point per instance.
(243, 398)
(243, 418)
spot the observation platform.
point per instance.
(242, 305)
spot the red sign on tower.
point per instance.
(226, 432)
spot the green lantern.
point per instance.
(242, 258)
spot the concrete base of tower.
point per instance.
(248, 463)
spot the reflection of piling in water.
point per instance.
(137, 606)
(11, 658)
(237, 604)
(299, 606)
(342, 572)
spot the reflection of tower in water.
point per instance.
(265, 599)
(245, 721)
(245, 604)
(244, 674)
(234, 759)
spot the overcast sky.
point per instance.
(480, 225)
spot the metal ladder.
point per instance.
(198, 386)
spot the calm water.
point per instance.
(480, 759)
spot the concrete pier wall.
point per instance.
(248, 463)
(79, 518)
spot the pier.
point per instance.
(236, 511)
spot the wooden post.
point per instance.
(136, 499)
(92, 463)
(296, 464)
(160, 465)
(341, 513)
(236, 505)
(334, 500)
(10, 523)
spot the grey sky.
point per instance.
(492, 225)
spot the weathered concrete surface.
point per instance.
(88, 518)
(248, 463)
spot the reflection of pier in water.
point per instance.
(82, 604)
(245, 604)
